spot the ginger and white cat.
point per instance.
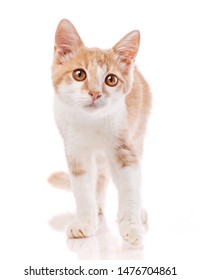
(102, 103)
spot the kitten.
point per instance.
(102, 103)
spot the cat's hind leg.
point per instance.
(103, 177)
(102, 182)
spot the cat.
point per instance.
(101, 106)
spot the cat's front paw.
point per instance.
(80, 230)
(132, 233)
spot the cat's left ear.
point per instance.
(67, 41)
(126, 49)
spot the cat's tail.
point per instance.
(60, 180)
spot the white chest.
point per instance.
(84, 132)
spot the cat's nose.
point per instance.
(94, 95)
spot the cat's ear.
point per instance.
(126, 49)
(67, 41)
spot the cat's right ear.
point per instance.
(67, 41)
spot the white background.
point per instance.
(33, 214)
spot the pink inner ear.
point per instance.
(64, 42)
(67, 39)
(127, 48)
(127, 57)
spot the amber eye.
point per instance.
(111, 80)
(79, 75)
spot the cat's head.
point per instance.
(92, 80)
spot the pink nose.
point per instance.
(94, 95)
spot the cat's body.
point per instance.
(101, 107)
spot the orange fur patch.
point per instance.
(138, 104)
(76, 167)
(126, 155)
(101, 181)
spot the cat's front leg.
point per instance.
(127, 180)
(82, 177)
(126, 175)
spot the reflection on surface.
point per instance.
(103, 246)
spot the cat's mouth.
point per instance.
(93, 106)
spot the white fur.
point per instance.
(85, 134)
